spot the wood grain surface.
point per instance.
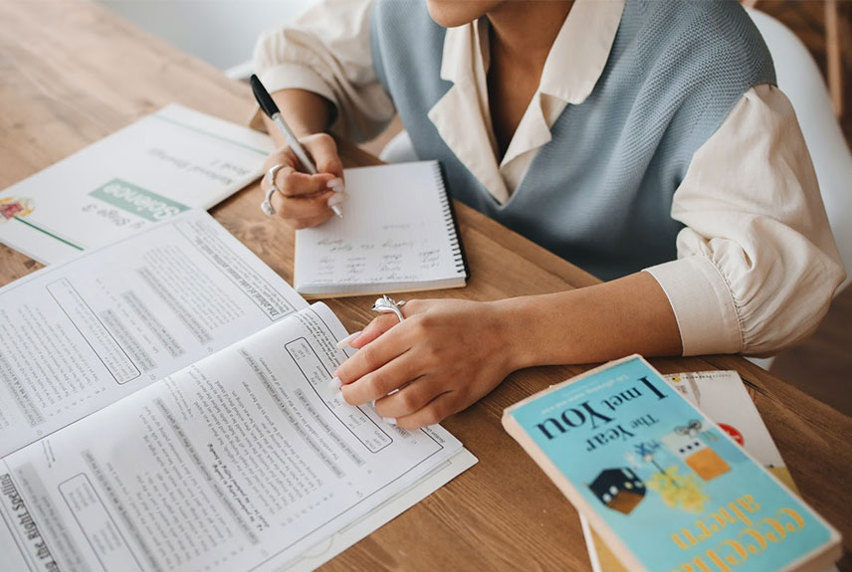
(71, 72)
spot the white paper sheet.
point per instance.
(77, 336)
(163, 164)
(242, 461)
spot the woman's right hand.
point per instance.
(305, 200)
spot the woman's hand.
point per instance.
(305, 200)
(443, 357)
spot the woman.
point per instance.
(645, 142)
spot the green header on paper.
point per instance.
(139, 201)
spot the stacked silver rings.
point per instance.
(266, 205)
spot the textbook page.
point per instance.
(165, 163)
(327, 549)
(241, 461)
(79, 335)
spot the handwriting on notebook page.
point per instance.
(397, 232)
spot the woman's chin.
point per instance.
(453, 13)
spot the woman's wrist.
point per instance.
(588, 325)
(515, 330)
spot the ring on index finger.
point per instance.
(266, 205)
(387, 304)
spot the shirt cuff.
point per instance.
(296, 76)
(702, 303)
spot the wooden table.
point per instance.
(72, 72)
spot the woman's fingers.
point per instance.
(322, 148)
(305, 200)
(374, 329)
(292, 183)
(369, 359)
(439, 358)
(385, 322)
(375, 349)
(443, 405)
(410, 398)
(375, 385)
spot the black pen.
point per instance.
(264, 100)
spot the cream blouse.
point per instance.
(750, 187)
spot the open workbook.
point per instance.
(164, 405)
(163, 164)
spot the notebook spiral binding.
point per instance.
(452, 223)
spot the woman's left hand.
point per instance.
(443, 357)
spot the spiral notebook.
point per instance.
(398, 233)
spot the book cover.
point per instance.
(664, 486)
(723, 397)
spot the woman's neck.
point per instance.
(521, 36)
(523, 32)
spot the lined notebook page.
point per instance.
(397, 233)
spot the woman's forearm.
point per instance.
(304, 111)
(593, 324)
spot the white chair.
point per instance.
(399, 149)
(799, 77)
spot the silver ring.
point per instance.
(273, 170)
(266, 205)
(387, 304)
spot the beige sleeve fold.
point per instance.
(327, 51)
(757, 264)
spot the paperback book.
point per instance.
(723, 397)
(665, 487)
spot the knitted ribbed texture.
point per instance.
(599, 194)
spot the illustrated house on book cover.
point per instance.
(619, 489)
(691, 449)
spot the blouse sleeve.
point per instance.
(327, 51)
(756, 264)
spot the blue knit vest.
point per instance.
(599, 194)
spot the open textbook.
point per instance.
(163, 164)
(164, 405)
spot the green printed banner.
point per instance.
(139, 201)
